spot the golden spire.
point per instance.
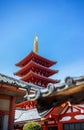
(36, 44)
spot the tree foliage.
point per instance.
(32, 126)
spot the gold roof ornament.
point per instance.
(36, 44)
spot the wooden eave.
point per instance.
(26, 103)
(38, 58)
(74, 94)
(69, 91)
(24, 70)
(11, 90)
(55, 112)
(38, 77)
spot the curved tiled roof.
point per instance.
(15, 82)
(23, 115)
(70, 83)
(58, 87)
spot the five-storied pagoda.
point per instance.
(36, 69)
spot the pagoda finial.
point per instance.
(36, 44)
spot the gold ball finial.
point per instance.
(36, 44)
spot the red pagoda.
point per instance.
(36, 69)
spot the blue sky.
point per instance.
(60, 28)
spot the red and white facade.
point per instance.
(64, 117)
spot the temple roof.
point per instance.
(33, 65)
(37, 58)
(55, 94)
(70, 83)
(23, 115)
(12, 81)
(11, 86)
(4, 79)
(31, 75)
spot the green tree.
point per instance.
(32, 126)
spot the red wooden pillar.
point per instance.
(12, 113)
(60, 126)
(44, 127)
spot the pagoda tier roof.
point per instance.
(34, 66)
(37, 58)
(38, 77)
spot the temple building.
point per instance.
(36, 69)
(63, 117)
(60, 106)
